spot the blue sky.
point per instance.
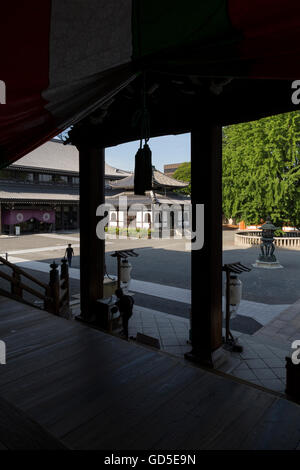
(167, 149)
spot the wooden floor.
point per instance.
(90, 390)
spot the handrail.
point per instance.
(20, 284)
(24, 273)
(56, 295)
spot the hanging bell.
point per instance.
(147, 154)
(143, 170)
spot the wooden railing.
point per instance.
(53, 296)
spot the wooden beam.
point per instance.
(206, 183)
(92, 249)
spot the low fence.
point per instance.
(53, 297)
(290, 240)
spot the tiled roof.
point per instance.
(159, 179)
(37, 192)
(172, 198)
(151, 197)
(131, 198)
(54, 156)
(27, 192)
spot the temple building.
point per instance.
(40, 192)
(152, 210)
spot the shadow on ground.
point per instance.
(278, 286)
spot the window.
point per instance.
(6, 174)
(147, 218)
(29, 177)
(43, 178)
(23, 176)
(61, 179)
(75, 180)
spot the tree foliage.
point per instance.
(261, 170)
(183, 173)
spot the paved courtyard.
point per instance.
(161, 273)
(161, 289)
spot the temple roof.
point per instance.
(150, 197)
(24, 192)
(58, 158)
(47, 193)
(159, 179)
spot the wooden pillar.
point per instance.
(78, 216)
(206, 183)
(62, 216)
(92, 249)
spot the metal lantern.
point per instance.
(267, 247)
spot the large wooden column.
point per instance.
(206, 183)
(92, 249)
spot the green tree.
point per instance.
(261, 170)
(183, 173)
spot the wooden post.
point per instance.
(62, 216)
(206, 311)
(64, 276)
(227, 337)
(92, 249)
(15, 286)
(119, 271)
(54, 288)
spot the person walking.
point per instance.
(125, 305)
(69, 253)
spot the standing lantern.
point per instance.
(125, 270)
(233, 298)
(267, 259)
(235, 294)
(124, 267)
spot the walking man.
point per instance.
(125, 305)
(69, 253)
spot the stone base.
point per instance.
(217, 358)
(267, 264)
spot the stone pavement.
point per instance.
(171, 331)
(284, 328)
(261, 312)
(262, 361)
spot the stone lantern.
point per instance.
(267, 259)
